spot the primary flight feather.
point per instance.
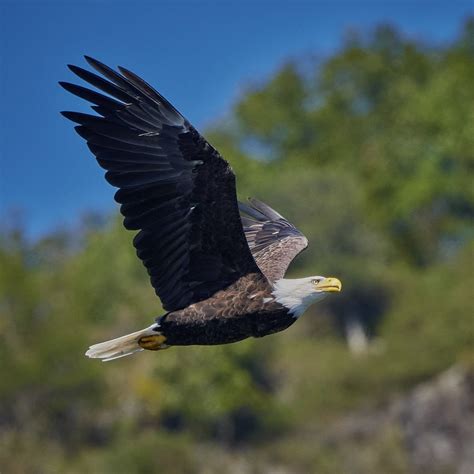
(217, 265)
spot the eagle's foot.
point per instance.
(153, 343)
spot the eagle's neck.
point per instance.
(295, 294)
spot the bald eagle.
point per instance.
(217, 265)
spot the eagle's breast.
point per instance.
(245, 309)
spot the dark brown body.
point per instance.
(242, 313)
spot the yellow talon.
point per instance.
(152, 343)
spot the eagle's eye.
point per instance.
(315, 281)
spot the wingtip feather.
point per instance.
(92, 61)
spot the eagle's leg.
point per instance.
(154, 342)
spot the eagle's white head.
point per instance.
(299, 294)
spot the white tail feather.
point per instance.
(121, 346)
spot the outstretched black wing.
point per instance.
(274, 242)
(173, 186)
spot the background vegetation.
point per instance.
(371, 153)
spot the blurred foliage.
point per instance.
(370, 153)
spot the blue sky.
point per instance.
(200, 54)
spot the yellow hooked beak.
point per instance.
(329, 285)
